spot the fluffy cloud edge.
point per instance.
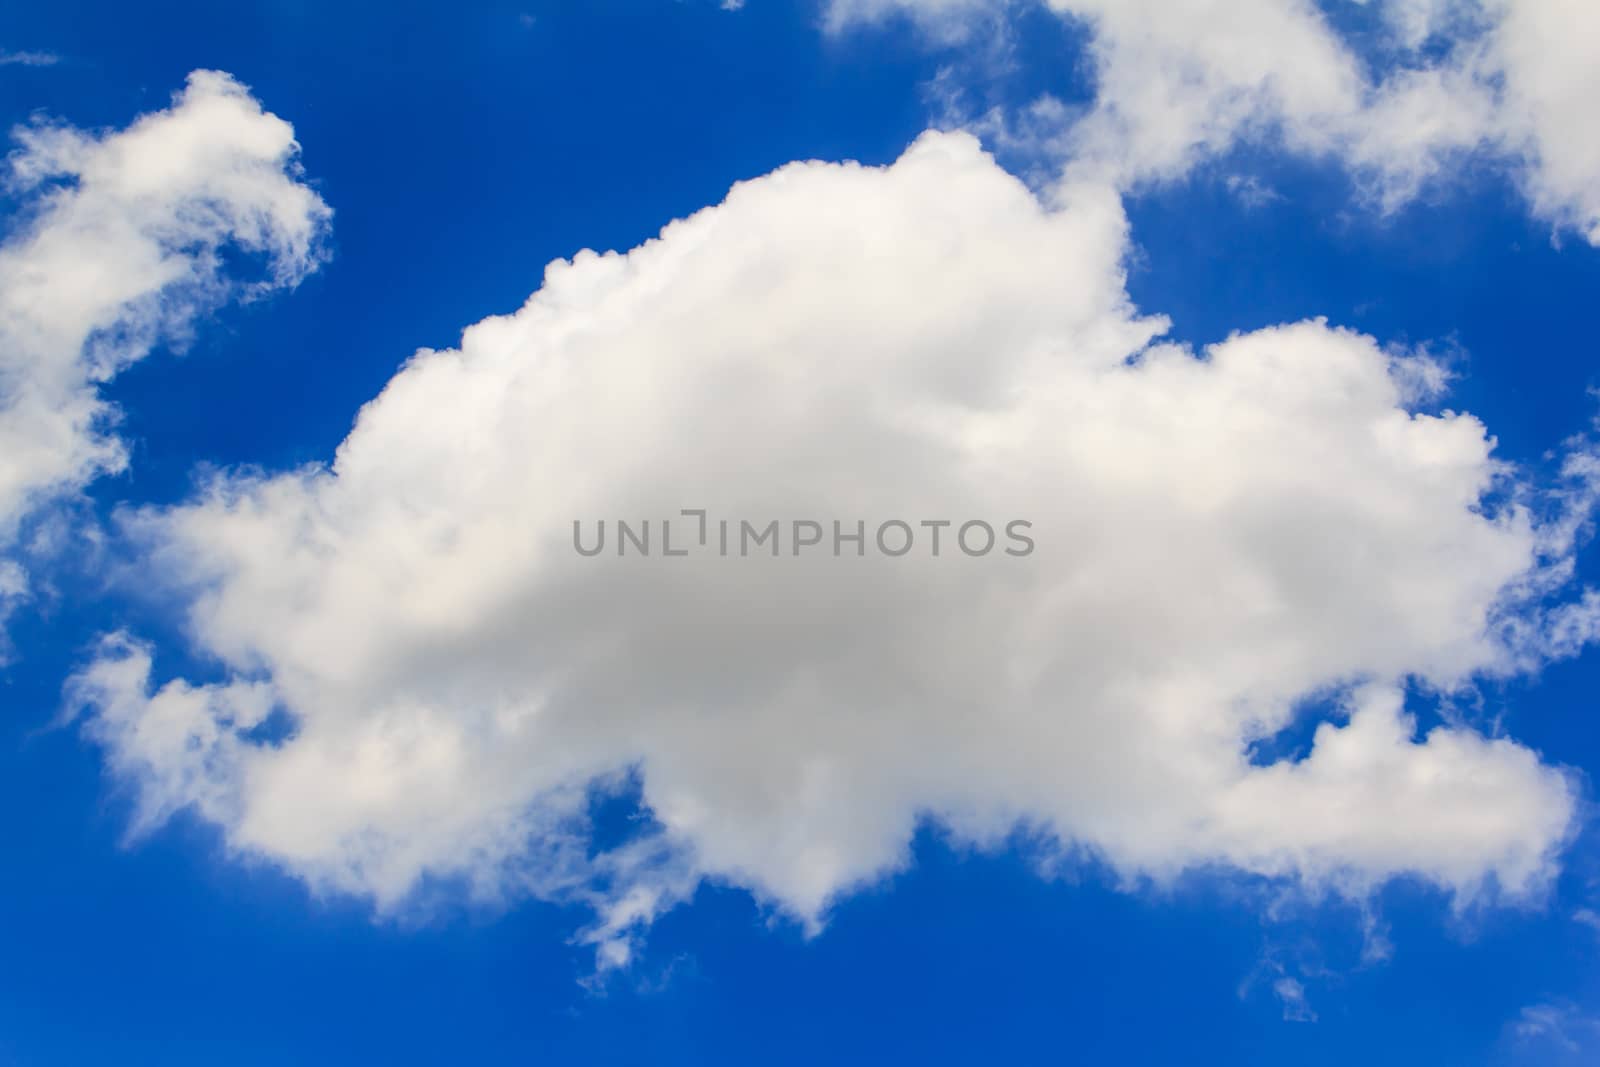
(116, 248)
(1177, 86)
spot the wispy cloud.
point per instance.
(1559, 1028)
(28, 59)
(1296, 1009)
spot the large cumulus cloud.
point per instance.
(1219, 536)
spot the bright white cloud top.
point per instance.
(120, 245)
(1178, 82)
(1219, 536)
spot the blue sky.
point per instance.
(462, 148)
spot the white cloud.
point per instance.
(1415, 22)
(1291, 993)
(1178, 83)
(13, 591)
(117, 246)
(28, 59)
(1218, 537)
(947, 21)
(1251, 191)
(1556, 1031)
(1549, 54)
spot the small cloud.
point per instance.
(28, 59)
(1292, 993)
(1290, 990)
(1251, 191)
(1375, 944)
(1588, 917)
(526, 21)
(1556, 1026)
(732, 5)
(13, 591)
